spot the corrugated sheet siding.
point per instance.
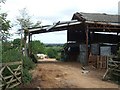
(95, 49)
(82, 55)
(82, 48)
(105, 50)
(82, 58)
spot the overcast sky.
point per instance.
(50, 11)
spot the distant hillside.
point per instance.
(53, 44)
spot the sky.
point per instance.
(51, 11)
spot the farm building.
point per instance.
(97, 36)
(89, 36)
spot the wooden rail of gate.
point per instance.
(14, 76)
(113, 68)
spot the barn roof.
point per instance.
(99, 22)
(97, 17)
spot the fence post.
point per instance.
(22, 71)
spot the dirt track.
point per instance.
(54, 74)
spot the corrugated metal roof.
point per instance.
(98, 17)
(102, 22)
(60, 26)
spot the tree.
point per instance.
(52, 53)
(37, 47)
(25, 22)
(4, 29)
(4, 24)
(16, 43)
(6, 46)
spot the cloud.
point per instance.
(50, 11)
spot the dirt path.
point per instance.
(55, 74)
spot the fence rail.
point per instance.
(10, 74)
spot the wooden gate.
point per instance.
(10, 74)
(113, 69)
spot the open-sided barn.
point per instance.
(89, 36)
(97, 35)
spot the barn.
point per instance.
(91, 37)
(96, 37)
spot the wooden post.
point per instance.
(29, 44)
(87, 31)
(117, 37)
(21, 42)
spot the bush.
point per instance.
(14, 55)
(11, 55)
(34, 58)
(52, 53)
(37, 47)
(28, 63)
(27, 77)
(58, 57)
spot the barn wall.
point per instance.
(76, 36)
(82, 57)
(99, 54)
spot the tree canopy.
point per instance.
(24, 20)
(4, 24)
(52, 53)
(16, 43)
(37, 47)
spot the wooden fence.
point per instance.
(113, 69)
(10, 74)
(99, 62)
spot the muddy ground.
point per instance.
(50, 73)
